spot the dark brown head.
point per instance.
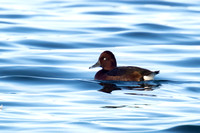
(106, 60)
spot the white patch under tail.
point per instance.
(150, 76)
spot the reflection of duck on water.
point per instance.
(139, 86)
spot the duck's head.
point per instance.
(106, 60)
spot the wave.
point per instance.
(15, 16)
(181, 129)
(158, 2)
(157, 27)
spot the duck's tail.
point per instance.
(156, 72)
(151, 76)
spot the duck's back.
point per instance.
(129, 73)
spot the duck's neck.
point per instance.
(110, 66)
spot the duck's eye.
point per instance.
(104, 58)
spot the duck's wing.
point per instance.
(131, 74)
(120, 71)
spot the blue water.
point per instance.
(47, 46)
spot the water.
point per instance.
(46, 47)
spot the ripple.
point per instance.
(4, 44)
(38, 30)
(54, 2)
(78, 5)
(4, 61)
(14, 16)
(35, 71)
(60, 45)
(139, 35)
(26, 30)
(5, 128)
(188, 42)
(105, 13)
(160, 3)
(26, 104)
(5, 22)
(44, 44)
(109, 29)
(189, 62)
(146, 36)
(155, 26)
(193, 89)
(183, 129)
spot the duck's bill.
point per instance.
(95, 65)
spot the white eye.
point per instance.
(104, 58)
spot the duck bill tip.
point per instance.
(90, 67)
(95, 65)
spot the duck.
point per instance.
(110, 71)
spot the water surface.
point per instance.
(47, 46)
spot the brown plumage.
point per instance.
(110, 71)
